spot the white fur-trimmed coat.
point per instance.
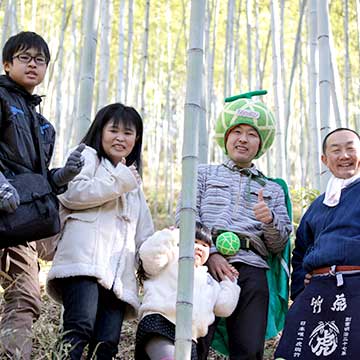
(159, 256)
(106, 221)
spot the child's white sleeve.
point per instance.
(158, 250)
(227, 298)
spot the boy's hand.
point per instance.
(9, 197)
(73, 166)
(261, 210)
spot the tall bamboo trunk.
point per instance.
(5, 28)
(72, 84)
(278, 94)
(145, 57)
(289, 123)
(121, 54)
(129, 49)
(347, 62)
(192, 109)
(168, 113)
(304, 143)
(33, 14)
(58, 107)
(229, 49)
(257, 48)
(249, 4)
(88, 60)
(335, 85)
(324, 76)
(357, 116)
(104, 60)
(14, 27)
(314, 121)
(211, 104)
(237, 58)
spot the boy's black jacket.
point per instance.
(18, 145)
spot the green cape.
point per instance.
(278, 282)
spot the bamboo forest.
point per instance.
(176, 61)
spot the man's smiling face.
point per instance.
(342, 154)
(242, 144)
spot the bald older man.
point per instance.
(324, 320)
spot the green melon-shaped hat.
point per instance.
(241, 109)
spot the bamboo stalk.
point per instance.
(192, 109)
(324, 77)
(278, 93)
(88, 60)
(120, 54)
(104, 61)
(314, 125)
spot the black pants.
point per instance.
(246, 326)
(92, 315)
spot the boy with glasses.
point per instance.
(25, 59)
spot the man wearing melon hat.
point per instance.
(237, 199)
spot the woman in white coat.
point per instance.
(106, 220)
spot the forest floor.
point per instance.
(46, 330)
(47, 346)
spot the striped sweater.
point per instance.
(226, 196)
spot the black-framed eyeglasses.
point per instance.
(26, 59)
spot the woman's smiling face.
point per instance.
(118, 141)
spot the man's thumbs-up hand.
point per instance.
(261, 210)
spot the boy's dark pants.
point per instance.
(21, 299)
(246, 326)
(92, 315)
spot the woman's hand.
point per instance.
(133, 170)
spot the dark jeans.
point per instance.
(92, 315)
(246, 326)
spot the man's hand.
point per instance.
(9, 197)
(261, 210)
(220, 268)
(73, 166)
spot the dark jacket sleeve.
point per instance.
(48, 134)
(1, 113)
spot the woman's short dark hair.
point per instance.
(23, 41)
(117, 113)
